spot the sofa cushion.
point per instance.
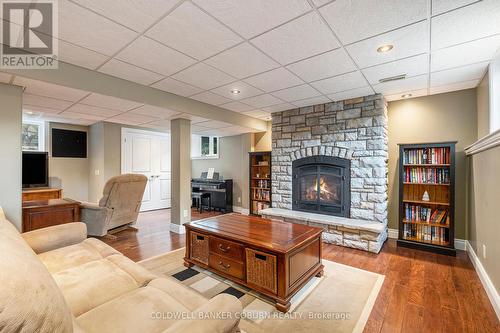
(66, 257)
(134, 311)
(30, 300)
(89, 285)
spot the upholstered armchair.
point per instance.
(119, 205)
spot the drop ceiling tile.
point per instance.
(262, 101)
(129, 72)
(298, 39)
(109, 102)
(210, 98)
(245, 89)
(40, 109)
(77, 115)
(324, 65)
(213, 124)
(137, 15)
(400, 86)
(203, 76)
(242, 61)
(258, 114)
(154, 111)
(454, 87)
(296, 93)
(87, 29)
(472, 52)
(353, 93)
(407, 41)
(319, 3)
(80, 56)
(92, 110)
(131, 119)
(441, 6)
(250, 18)
(73, 119)
(194, 119)
(176, 87)
(45, 102)
(158, 124)
(197, 128)
(340, 83)
(237, 107)
(312, 101)
(49, 90)
(190, 30)
(277, 79)
(5, 78)
(413, 94)
(279, 107)
(354, 20)
(460, 74)
(465, 24)
(149, 54)
(412, 66)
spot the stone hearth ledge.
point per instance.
(355, 233)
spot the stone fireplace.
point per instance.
(322, 184)
(329, 168)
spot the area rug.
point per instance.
(340, 301)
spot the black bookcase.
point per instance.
(427, 197)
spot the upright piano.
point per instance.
(221, 192)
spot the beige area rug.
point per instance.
(340, 301)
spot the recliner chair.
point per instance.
(119, 205)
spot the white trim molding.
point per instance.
(178, 229)
(459, 243)
(485, 279)
(489, 141)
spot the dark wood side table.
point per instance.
(39, 214)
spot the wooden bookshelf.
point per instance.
(260, 181)
(427, 223)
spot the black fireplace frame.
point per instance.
(344, 165)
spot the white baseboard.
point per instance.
(241, 210)
(485, 279)
(178, 229)
(459, 243)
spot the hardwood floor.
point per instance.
(422, 292)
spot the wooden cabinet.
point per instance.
(41, 194)
(260, 181)
(46, 213)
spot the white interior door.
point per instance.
(148, 153)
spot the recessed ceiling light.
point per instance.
(406, 95)
(235, 91)
(385, 48)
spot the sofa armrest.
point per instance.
(224, 304)
(51, 238)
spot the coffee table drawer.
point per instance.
(261, 270)
(227, 266)
(226, 248)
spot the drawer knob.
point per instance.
(224, 249)
(221, 264)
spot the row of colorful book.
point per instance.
(417, 213)
(427, 156)
(427, 175)
(426, 233)
(259, 194)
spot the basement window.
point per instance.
(204, 147)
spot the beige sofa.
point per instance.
(57, 280)
(119, 205)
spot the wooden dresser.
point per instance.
(41, 194)
(274, 258)
(46, 213)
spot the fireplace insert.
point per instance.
(322, 184)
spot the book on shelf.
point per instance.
(427, 156)
(417, 213)
(426, 233)
(261, 194)
(257, 206)
(424, 175)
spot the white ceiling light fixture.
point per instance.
(385, 48)
(235, 91)
(393, 78)
(406, 95)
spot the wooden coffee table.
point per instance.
(271, 257)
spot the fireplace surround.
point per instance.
(322, 184)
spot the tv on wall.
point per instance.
(35, 169)
(66, 143)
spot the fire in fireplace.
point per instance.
(321, 184)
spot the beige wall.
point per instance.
(443, 117)
(10, 147)
(262, 141)
(70, 174)
(483, 109)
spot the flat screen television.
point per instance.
(68, 143)
(35, 169)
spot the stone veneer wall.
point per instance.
(355, 129)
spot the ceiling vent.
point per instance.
(393, 78)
